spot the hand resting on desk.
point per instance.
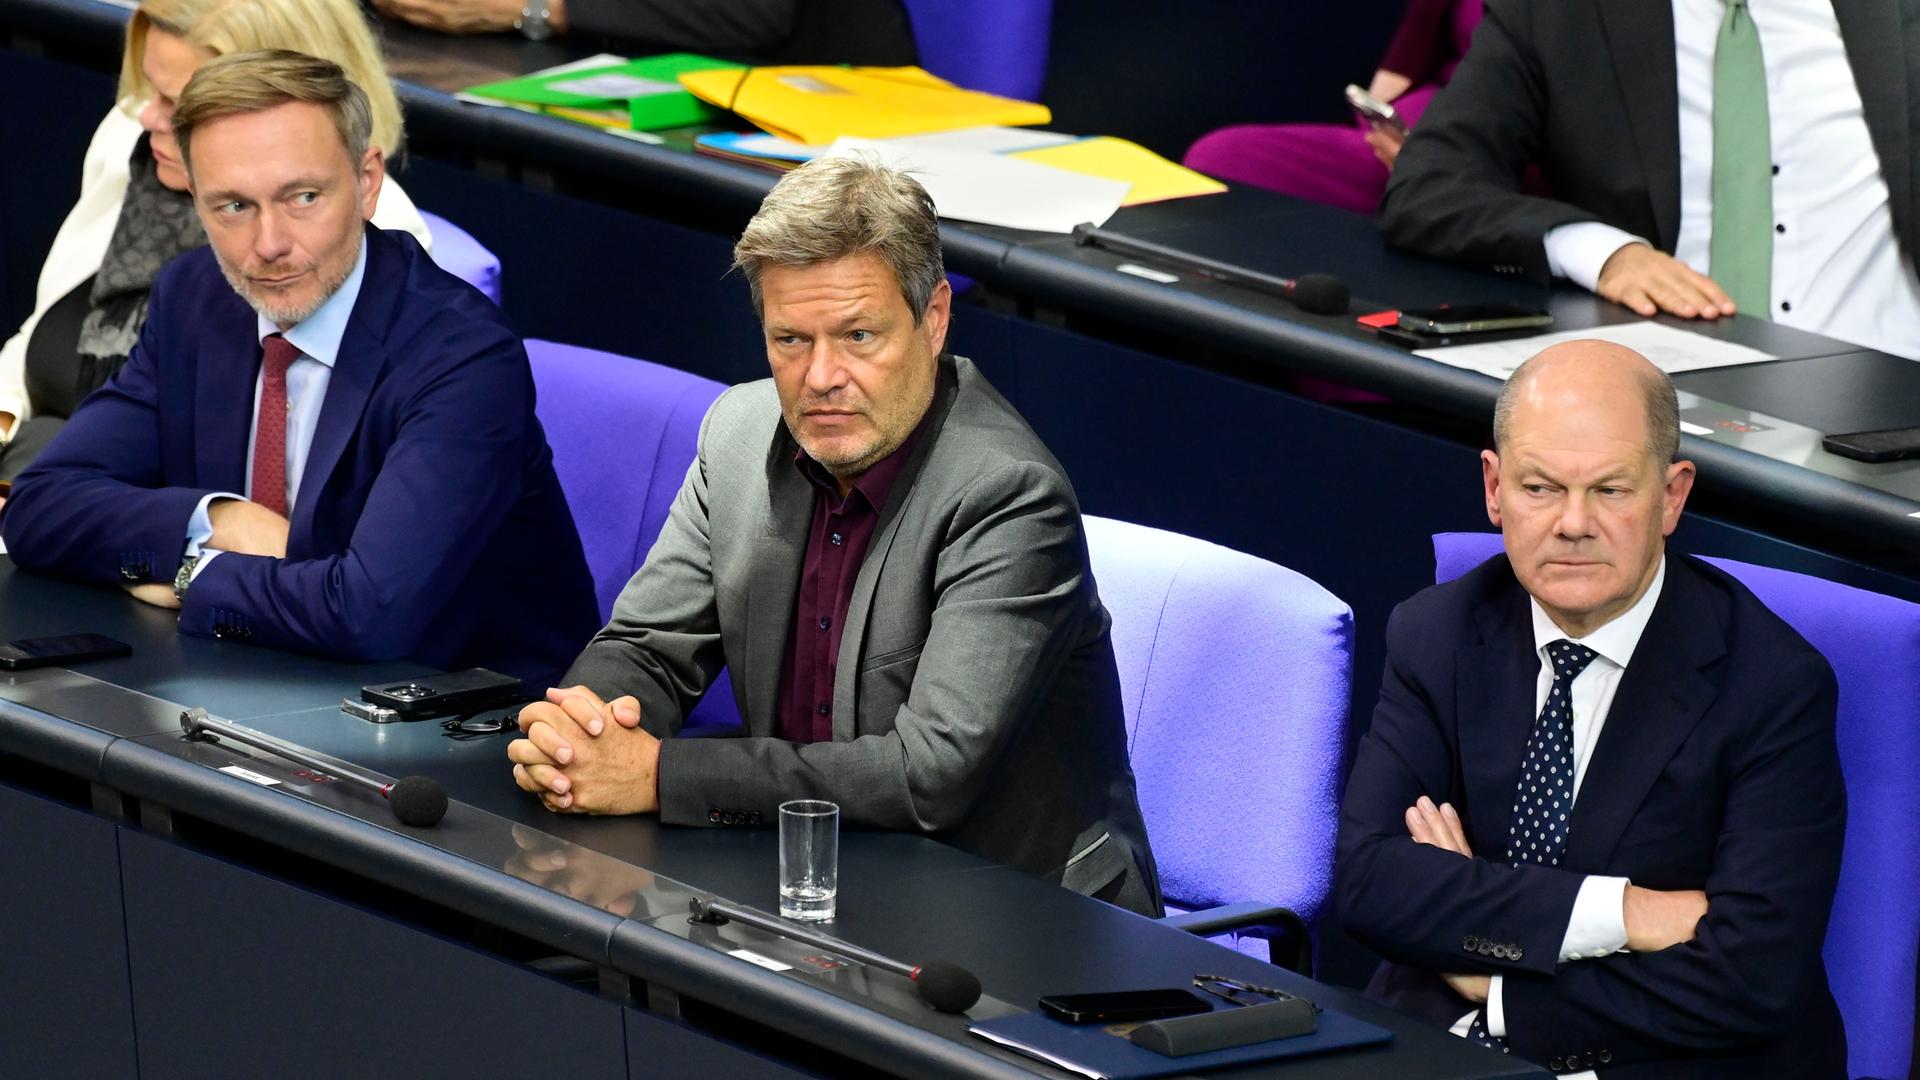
(1651, 282)
(578, 763)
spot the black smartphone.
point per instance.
(437, 695)
(1473, 318)
(65, 649)
(1123, 1005)
(1894, 444)
(1374, 111)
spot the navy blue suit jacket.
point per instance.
(429, 523)
(1716, 769)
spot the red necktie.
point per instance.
(270, 427)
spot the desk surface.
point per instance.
(1763, 452)
(609, 890)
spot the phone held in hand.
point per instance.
(1123, 1005)
(1372, 110)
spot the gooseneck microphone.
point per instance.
(1320, 294)
(946, 986)
(416, 800)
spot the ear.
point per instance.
(371, 174)
(1673, 499)
(1490, 482)
(938, 314)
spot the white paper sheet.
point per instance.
(968, 185)
(1671, 349)
(991, 139)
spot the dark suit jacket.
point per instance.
(975, 699)
(1586, 90)
(756, 31)
(429, 523)
(1716, 770)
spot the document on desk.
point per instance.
(995, 189)
(1671, 349)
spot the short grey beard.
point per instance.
(288, 317)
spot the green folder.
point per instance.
(648, 89)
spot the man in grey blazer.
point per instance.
(891, 565)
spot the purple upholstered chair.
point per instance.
(1236, 674)
(458, 253)
(999, 46)
(623, 432)
(1873, 643)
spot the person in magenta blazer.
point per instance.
(411, 509)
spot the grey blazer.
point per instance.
(976, 698)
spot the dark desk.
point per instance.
(1169, 405)
(251, 912)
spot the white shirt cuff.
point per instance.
(1497, 1007)
(1598, 925)
(206, 560)
(200, 525)
(1577, 252)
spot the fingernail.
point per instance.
(564, 754)
(561, 785)
(594, 726)
(1426, 803)
(1447, 809)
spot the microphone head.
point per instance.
(418, 801)
(949, 988)
(1322, 294)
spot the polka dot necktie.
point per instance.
(1543, 800)
(269, 487)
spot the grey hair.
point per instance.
(1657, 396)
(831, 208)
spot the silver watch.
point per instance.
(532, 23)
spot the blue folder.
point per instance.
(1091, 1050)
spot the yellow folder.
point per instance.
(816, 105)
(1153, 177)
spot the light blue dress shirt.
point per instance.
(318, 339)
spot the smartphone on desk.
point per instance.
(1894, 444)
(1123, 1005)
(64, 649)
(438, 695)
(1372, 110)
(1473, 318)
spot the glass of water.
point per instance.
(809, 859)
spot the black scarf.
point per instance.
(156, 225)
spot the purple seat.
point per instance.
(1873, 643)
(458, 253)
(623, 432)
(1235, 674)
(999, 46)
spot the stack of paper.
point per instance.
(997, 189)
(638, 95)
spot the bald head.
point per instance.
(1581, 376)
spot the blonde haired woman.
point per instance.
(134, 213)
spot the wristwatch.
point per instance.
(184, 577)
(532, 23)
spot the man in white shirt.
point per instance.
(1597, 818)
(1705, 157)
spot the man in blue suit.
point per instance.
(333, 449)
(1597, 819)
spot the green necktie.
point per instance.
(1741, 251)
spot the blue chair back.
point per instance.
(458, 253)
(1236, 675)
(623, 433)
(1873, 643)
(999, 46)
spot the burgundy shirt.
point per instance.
(836, 545)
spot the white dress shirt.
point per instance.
(1838, 268)
(1597, 926)
(318, 338)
